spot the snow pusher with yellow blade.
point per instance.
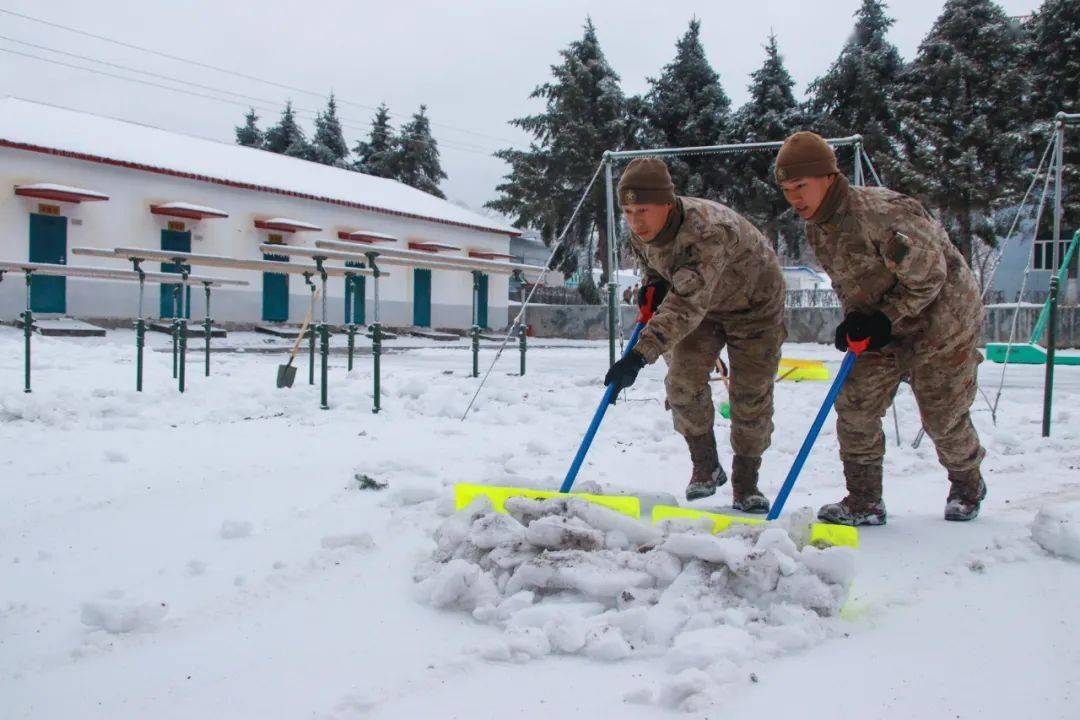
(820, 533)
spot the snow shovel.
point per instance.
(287, 373)
(855, 349)
(625, 504)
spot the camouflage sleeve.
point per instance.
(693, 284)
(911, 249)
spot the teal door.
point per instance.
(181, 242)
(422, 298)
(482, 302)
(48, 244)
(275, 300)
(354, 300)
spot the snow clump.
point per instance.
(564, 576)
(1057, 530)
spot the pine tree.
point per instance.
(249, 134)
(376, 155)
(770, 114)
(585, 115)
(855, 95)
(1053, 57)
(687, 107)
(329, 142)
(417, 162)
(960, 108)
(279, 137)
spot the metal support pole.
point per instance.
(140, 327)
(1059, 162)
(376, 332)
(474, 332)
(181, 323)
(175, 330)
(1051, 341)
(324, 340)
(522, 332)
(352, 343)
(28, 329)
(350, 328)
(207, 325)
(612, 294)
(857, 175)
(311, 336)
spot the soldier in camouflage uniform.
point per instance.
(720, 284)
(906, 289)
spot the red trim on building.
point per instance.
(362, 237)
(284, 227)
(242, 186)
(431, 247)
(485, 255)
(187, 213)
(58, 195)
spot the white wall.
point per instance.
(125, 220)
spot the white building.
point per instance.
(71, 179)
(803, 277)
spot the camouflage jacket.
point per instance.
(717, 264)
(885, 252)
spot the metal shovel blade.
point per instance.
(285, 375)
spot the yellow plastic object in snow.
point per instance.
(820, 533)
(465, 494)
(794, 369)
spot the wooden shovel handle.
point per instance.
(303, 328)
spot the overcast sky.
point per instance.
(473, 63)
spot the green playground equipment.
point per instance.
(1031, 353)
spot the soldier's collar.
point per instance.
(834, 205)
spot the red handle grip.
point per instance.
(645, 312)
(857, 346)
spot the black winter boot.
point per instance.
(745, 495)
(707, 474)
(967, 492)
(863, 504)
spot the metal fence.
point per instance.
(549, 295)
(811, 298)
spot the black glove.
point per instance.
(874, 327)
(624, 372)
(658, 294)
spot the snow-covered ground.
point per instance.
(212, 554)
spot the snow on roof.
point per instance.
(186, 207)
(35, 126)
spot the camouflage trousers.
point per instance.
(944, 384)
(754, 352)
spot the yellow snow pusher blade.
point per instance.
(821, 534)
(498, 495)
(797, 370)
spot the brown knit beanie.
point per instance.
(646, 181)
(805, 154)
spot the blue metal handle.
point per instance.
(811, 437)
(597, 417)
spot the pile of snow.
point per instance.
(1057, 530)
(566, 576)
(115, 614)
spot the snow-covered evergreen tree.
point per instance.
(285, 133)
(771, 113)
(376, 155)
(856, 94)
(1053, 60)
(585, 114)
(329, 142)
(686, 107)
(249, 134)
(961, 109)
(417, 155)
